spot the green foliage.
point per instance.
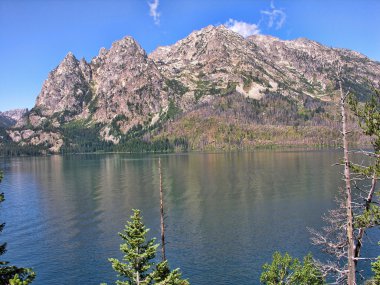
(376, 270)
(138, 145)
(93, 106)
(173, 110)
(230, 88)
(23, 278)
(12, 149)
(369, 116)
(369, 120)
(205, 87)
(79, 136)
(17, 281)
(288, 270)
(369, 218)
(164, 276)
(138, 253)
(115, 124)
(10, 274)
(87, 96)
(177, 86)
(37, 111)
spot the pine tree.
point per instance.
(163, 276)
(288, 270)
(8, 272)
(139, 252)
(376, 270)
(375, 280)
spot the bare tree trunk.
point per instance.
(351, 280)
(162, 213)
(138, 278)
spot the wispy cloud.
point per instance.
(153, 6)
(275, 16)
(243, 28)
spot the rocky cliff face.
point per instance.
(118, 89)
(127, 87)
(209, 72)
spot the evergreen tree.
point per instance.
(17, 281)
(286, 270)
(139, 252)
(8, 272)
(163, 276)
(376, 269)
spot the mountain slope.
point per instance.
(215, 56)
(212, 76)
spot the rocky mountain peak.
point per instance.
(64, 90)
(197, 43)
(207, 48)
(126, 83)
(69, 60)
(120, 52)
(210, 35)
(127, 44)
(70, 57)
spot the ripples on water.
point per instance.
(227, 212)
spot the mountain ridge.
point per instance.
(124, 93)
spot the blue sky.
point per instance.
(35, 35)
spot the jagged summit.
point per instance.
(69, 56)
(127, 42)
(69, 62)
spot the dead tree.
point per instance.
(342, 237)
(351, 265)
(162, 213)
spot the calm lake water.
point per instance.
(227, 212)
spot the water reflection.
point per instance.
(227, 212)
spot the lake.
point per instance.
(226, 212)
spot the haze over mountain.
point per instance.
(9, 118)
(193, 93)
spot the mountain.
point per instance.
(9, 118)
(212, 89)
(213, 57)
(6, 122)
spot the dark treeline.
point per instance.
(233, 109)
(87, 143)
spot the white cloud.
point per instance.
(275, 16)
(243, 28)
(153, 6)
